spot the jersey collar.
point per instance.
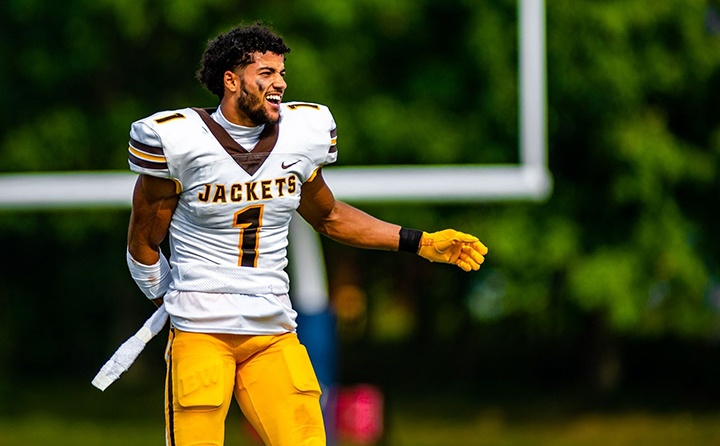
(250, 161)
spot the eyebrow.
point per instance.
(265, 67)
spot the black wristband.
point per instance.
(410, 240)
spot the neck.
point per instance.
(232, 113)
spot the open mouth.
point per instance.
(274, 99)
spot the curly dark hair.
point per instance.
(235, 49)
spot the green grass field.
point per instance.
(593, 429)
(125, 416)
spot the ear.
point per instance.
(231, 81)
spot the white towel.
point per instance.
(128, 352)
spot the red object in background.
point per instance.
(360, 414)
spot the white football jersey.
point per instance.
(229, 231)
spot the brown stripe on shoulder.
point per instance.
(146, 164)
(250, 161)
(333, 137)
(146, 148)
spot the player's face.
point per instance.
(262, 85)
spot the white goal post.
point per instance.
(528, 180)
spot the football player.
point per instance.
(224, 184)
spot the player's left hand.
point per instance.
(454, 247)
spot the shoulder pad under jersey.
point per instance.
(146, 151)
(318, 124)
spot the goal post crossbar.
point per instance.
(390, 184)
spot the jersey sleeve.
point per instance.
(324, 151)
(145, 152)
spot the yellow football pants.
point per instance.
(272, 379)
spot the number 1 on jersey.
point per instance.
(249, 220)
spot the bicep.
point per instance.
(317, 202)
(154, 201)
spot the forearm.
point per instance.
(141, 244)
(154, 201)
(351, 226)
(346, 224)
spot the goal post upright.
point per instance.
(532, 84)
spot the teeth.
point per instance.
(273, 97)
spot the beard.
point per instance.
(254, 107)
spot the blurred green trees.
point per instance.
(629, 87)
(628, 239)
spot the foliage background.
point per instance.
(610, 288)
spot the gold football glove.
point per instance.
(454, 247)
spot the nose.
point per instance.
(279, 83)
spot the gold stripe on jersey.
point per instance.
(146, 156)
(146, 164)
(314, 174)
(178, 186)
(151, 150)
(333, 140)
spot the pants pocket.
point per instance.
(300, 369)
(199, 382)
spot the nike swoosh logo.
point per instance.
(287, 166)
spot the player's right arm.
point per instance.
(153, 204)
